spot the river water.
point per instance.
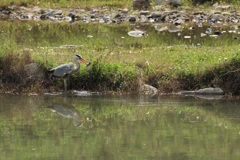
(118, 127)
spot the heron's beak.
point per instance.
(86, 62)
(83, 60)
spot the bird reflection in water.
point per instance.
(69, 112)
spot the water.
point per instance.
(118, 127)
(80, 35)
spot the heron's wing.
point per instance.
(63, 70)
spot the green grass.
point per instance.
(99, 3)
(71, 3)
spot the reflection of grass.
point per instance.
(118, 61)
(202, 113)
(119, 128)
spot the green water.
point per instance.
(114, 127)
(101, 36)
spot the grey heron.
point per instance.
(63, 71)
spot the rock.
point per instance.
(178, 21)
(5, 10)
(145, 13)
(125, 11)
(67, 19)
(141, 4)
(214, 36)
(212, 91)
(143, 19)
(161, 28)
(216, 18)
(136, 33)
(73, 15)
(224, 7)
(202, 35)
(146, 89)
(171, 2)
(51, 12)
(209, 31)
(204, 91)
(132, 19)
(106, 19)
(174, 28)
(187, 37)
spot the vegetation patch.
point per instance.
(225, 76)
(21, 73)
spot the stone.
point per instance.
(141, 4)
(211, 91)
(204, 91)
(132, 19)
(172, 2)
(147, 89)
(145, 13)
(136, 33)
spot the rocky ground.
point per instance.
(215, 15)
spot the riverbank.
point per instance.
(21, 73)
(164, 58)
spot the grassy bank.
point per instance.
(161, 59)
(71, 3)
(110, 3)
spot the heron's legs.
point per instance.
(65, 84)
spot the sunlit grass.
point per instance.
(175, 59)
(100, 3)
(72, 3)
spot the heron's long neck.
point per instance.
(77, 67)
